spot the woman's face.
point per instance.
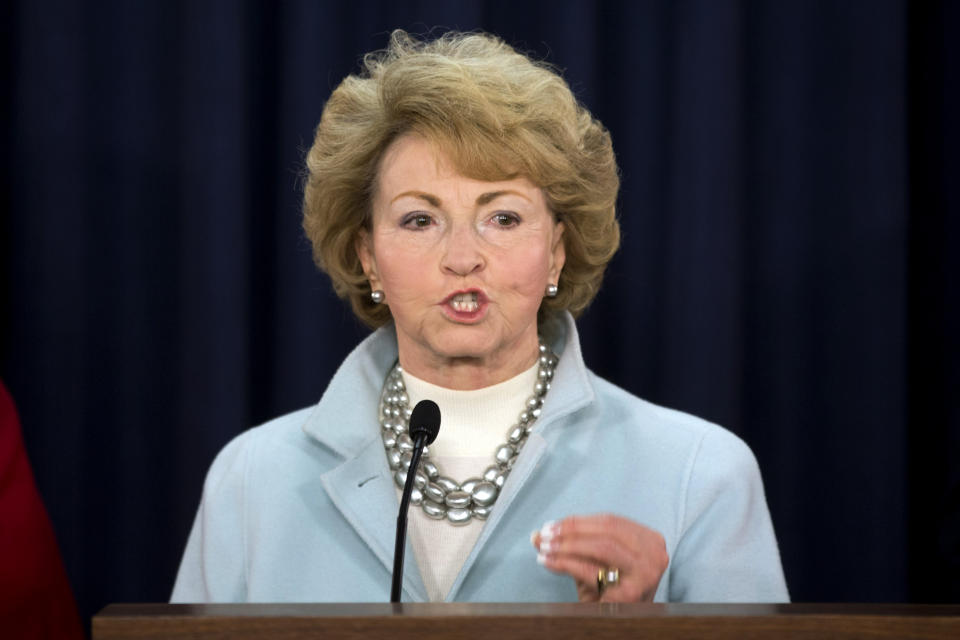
(463, 264)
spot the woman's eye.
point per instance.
(417, 221)
(505, 219)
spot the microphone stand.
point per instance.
(398, 550)
(424, 424)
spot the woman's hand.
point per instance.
(581, 546)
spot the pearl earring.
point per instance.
(552, 290)
(377, 296)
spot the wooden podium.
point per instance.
(422, 621)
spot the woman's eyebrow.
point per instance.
(430, 199)
(488, 197)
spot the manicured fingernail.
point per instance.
(541, 558)
(545, 546)
(548, 529)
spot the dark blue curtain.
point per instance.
(789, 265)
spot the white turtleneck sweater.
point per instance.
(473, 424)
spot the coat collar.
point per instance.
(361, 486)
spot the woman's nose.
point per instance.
(462, 253)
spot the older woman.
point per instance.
(463, 202)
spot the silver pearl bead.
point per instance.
(501, 479)
(484, 494)
(430, 469)
(405, 459)
(535, 414)
(470, 484)
(405, 442)
(540, 388)
(389, 439)
(457, 499)
(447, 484)
(534, 403)
(459, 516)
(393, 458)
(402, 398)
(524, 417)
(434, 510)
(416, 496)
(399, 427)
(490, 473)
(503, 454)
(481, 513)
(515, 434)
(407, 413)
(543, 348)
(400, 477)
(433, 492)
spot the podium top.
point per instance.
(503, 621)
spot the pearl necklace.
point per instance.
(439, 496)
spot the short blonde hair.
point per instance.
(498, 115)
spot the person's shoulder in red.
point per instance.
(35, 596)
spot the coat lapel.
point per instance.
(361, 487)
(368, 501)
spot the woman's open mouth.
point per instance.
(465, 305)
(465, 302)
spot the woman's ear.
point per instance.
(558, 253)
(364, 248)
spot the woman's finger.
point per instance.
(597, 549)
(582, 546)
(581, 570)
(605, 525)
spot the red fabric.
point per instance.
(35, 597)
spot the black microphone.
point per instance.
(424, 427)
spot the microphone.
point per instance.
(424, 427)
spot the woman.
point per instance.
(463, 202)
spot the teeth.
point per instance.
(465, 302)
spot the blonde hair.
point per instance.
(498, 115)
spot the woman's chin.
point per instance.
(481, 343)
(475, 347)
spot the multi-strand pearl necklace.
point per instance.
(439, 496)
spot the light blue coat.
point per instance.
(303, 508)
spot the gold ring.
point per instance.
(607, 577)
